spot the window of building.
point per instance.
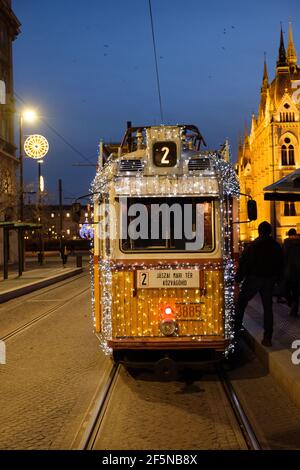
(284, 155)
(287, 117)
(291, 158)
(287, 154)
(289, 209)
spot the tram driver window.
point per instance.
(171, 236)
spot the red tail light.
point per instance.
(168, 311)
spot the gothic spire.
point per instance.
(281, 62)
(291, 52)
(265, 82)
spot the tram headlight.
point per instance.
(168, 327)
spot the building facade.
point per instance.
(271, 150)
(54, 227)
(9, 29)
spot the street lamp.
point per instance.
(36, 147)
(28, 116)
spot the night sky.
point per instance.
(88, 67)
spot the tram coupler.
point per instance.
(166, 369)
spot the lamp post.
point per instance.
(36, 147)
(28, 115)
(40, 191)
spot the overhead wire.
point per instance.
(156, 64)
(71, 146)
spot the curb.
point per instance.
(28, 288)
(277, 361)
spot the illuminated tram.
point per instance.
(164, 249)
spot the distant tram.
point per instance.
(164, 248)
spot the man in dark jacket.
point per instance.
(291, 252)
(261, 265)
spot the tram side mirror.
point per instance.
(76, 212)
(252, 209)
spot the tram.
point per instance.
(164, 248)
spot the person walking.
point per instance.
(260, 267)
(291, 252)
(64, 255)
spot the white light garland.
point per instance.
(223, 185)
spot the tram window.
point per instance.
(167, 224)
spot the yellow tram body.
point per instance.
(139, 290)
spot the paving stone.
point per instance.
(52, 372)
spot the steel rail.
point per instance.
(243, 421)
(37, 319)
(89, 430)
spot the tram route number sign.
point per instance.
(165, 154)
(168, 279)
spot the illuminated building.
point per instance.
(271, 150)
(9, 29)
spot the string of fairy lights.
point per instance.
(117, 279)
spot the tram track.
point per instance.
(93, 426)
(242, 419)
(25, 326)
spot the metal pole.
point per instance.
(21, 199)
(41, 254)
(39, 183)
(20, 251)
(20, 232)
(5, 252)
(23, 250)
(60, 211)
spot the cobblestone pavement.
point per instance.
(274, 416)
(145, 414)
(54, 368)
(52, 371)
(18, 312)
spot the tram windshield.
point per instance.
(167, 224)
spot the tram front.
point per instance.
(164, 248)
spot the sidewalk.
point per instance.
(36, 277)
(278, 359)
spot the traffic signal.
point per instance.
(76, 212)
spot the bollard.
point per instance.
(78, 261)
(40, 258)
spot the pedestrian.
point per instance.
(64, 255)
(291, 253)
(260, 267)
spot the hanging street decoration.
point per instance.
(36, 146)
(86, 232)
